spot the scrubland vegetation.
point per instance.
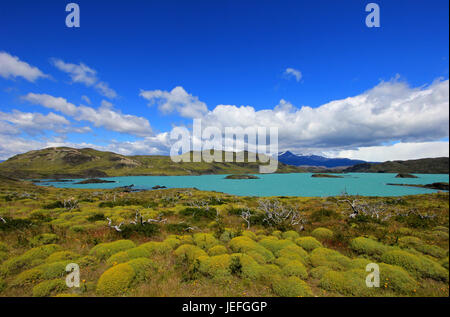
(184, 242)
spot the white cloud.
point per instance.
(12, 67)
(86, 99)
(391, 111)
(176, 100)
(105, 116)
(292, 72)
(32, 123)
(81, 73)
(398, 151)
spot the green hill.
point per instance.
(65, 162)
(421, 166)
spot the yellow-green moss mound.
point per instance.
(329, 258)
(322, 233)
(49, 288)
(103, 251)
(295, 268)
(368, 246)
(308, 243)
(291, 287)
(244, 244)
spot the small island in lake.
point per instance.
(238, 176)
(405, 175)
(94, 181)
(326, 175)
(158, 187)
(437, 186)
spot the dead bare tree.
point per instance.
(278, 215)
(2, 219)
(70, 203)
(246, 215)
(116, 227)
(377, 210)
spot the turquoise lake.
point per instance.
(296, 184)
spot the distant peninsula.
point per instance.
(239, 176)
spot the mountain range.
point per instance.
(290, 158)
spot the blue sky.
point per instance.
(233, 53)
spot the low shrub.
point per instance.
(48, 288)
(146, 230)
(291, 287)
(24, 261)
(418, 266)
(116, 280)
(217, 250)
(275, 245)
(291, 235)
(330, 258)
(295, 268)
(45, 238)
(205, 240)
(420, 246)
(318, 272)
(189, 252)
(249, 234)
(368, 246)
(294, 252)
(322, 233)
(245, 266)
(198, 213)
(308, 243)
(62, 256)
(217, 266)
(154, 247)
(103, 251)
(350, 283)
(244, 244)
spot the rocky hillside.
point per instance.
(422, 166)
(65, 162)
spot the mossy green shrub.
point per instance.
(103, 251)
(217, 266)
(227, 235)
(154, 247)
(349, 283)
(62, 256)
(217, 250)
(421, 246)
(294, 252)
(319, 271)
(291, 234)
(189, 252)
(368, 246)
(330, 258)
(205, 240)
(397, 279)
(3, 256)
(143, 268)
(268, 270)
(116, 280)
(27, 259)
(54, 269)
(245, 266)
(444, 262)
(418, 266)
(257, 257)
(3, 247)
(291, 287)
(3, 285)
(244, 244)
(392, 277)
(186, 239)
(173, 242)
(275, 245)
(87, 261)
(295, 268)
(277, 233)
(27, 276)
(250, 234)
(322, 233)
(308, 243)
(119, 257)
(48, 288)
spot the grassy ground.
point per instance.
(201, 245)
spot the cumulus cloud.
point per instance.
(104, 116)
(32, 123)
(12, 67)
(178, 100)
(391, 111)
(292, 72)
(81, 73)
(398, 151)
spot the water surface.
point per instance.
(295, 184)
